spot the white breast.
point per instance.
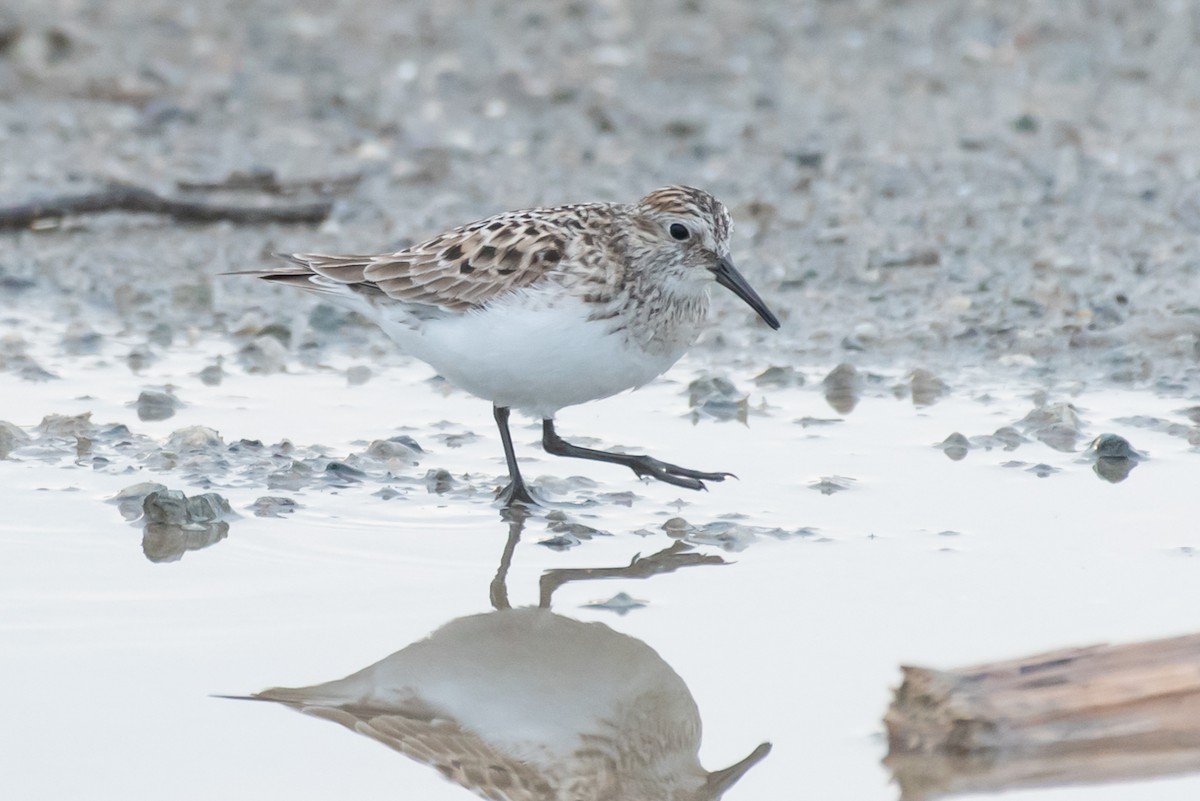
(535, 352)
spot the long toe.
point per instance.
(647, 467)
(675, 470)
(684, 472)
(667, 478)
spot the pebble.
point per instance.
(809, 422)
(403, 448)
(175, 508)
(342, 474)
(677, 527)
(212, 375)
(828, 485)
(927, 389)
(562, 542)
(1057, 424)
(1113, 458)
(156, 404)
(294, 477)
(129, 501)
(842, 386)
(66, 426)
(11, 438)
(1008, 438)
(194, 438)
(622, 603)
(717, 397)
(264, 355)
(273, 506)
(955, 446)
(439, 481)
(1112, 446)
(139, 358)
(328, 318)
(786, 376)
(82, 342)
(730, 537)
(161, 334)
(578, 530)
(358, 375)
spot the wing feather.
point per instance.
(466, 267)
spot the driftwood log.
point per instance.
(49, 212)
(1080, 715)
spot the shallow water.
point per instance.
(113, 659)
(986, 190)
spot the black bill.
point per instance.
(728, 277)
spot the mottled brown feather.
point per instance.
(466, 267)
(587, 246)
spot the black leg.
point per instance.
(641, 465)
(515, 492)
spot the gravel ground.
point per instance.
(951, 184)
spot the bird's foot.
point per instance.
(516, 494)
(649, 467)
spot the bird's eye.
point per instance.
(679, 231)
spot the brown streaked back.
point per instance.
(466, 267)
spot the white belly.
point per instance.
(532, 356)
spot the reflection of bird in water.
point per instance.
(527, 705)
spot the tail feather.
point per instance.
(338, 276)
(240, 697)
(294, 258)
(343, 269)
(297, 279)
(320, 274)
(267, 273)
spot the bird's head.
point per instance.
(686, 231)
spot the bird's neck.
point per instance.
(664, 318)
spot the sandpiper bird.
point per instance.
(527, 705)
(545, 308)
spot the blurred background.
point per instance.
(957, 179)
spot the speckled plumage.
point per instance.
(545, 308)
